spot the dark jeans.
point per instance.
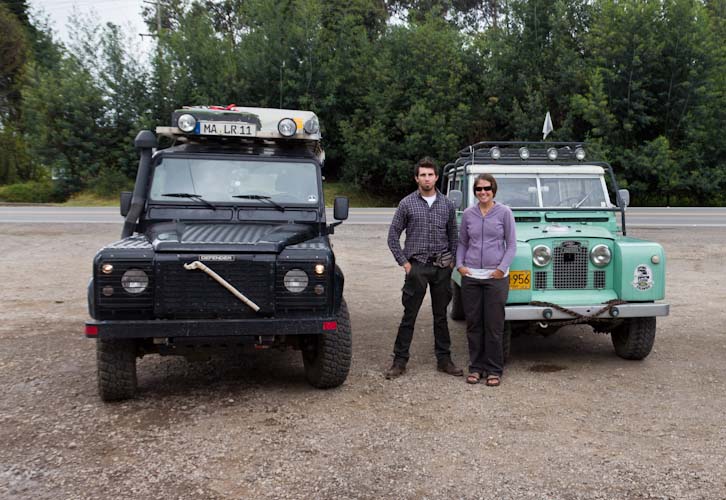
(483, 302)
(414, 291)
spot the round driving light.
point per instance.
(107, 268)
(524, 153)
(135, 281)
(312, 126)
(287, 127)
(552, 154)
(295, 280)
(107, 291)
(495, 153)
(319, 268)
(541, 255)
(600, 255)
(319, 289)
(655, 259)
(580, 154)
(186, 123)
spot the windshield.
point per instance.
(235, 181)
(551, 192)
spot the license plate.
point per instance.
(519, 280)
(234, 129)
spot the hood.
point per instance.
(239, 237)
(560, 230)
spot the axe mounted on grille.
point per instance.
(216, 277)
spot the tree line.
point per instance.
(643, 81)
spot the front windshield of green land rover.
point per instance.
(552, 191)
(235, 181)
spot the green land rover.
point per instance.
(574, 262)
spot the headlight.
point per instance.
(600, 255)
(495, 153)
(295, 280)
(187, 123)
(287, 127)
(552, 154)
(524, 153)
(134, 281)
(541, 255)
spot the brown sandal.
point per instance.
(493, 380)
(473, 378)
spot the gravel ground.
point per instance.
(570, 421)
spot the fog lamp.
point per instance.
(186, 123)
(524, 153)
(579, 153)
(287, 127)
(495, 153)
(552, 154)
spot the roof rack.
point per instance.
(524, 151)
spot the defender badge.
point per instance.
(643, 278)
(216, 258)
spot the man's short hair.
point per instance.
(426, 162)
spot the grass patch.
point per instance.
(90, 199)
(356, 196)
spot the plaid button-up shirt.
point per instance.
(429, 230)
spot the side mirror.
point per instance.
(340, 208)
(125, 202)
(624, 196)
(456, 198)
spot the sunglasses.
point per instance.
(479, 189)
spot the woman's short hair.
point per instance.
(486, 177)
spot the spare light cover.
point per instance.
(134, 281)
(579, 153)
(541, 255)
(524, 153)
(552, 154)
(295, 280)
(600, 255)
(186, 123)
(287, 127)
(312, 126)
(495, 153)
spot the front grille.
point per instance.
(569, 265)
(115, 302)
(183, 294)
(570, 269)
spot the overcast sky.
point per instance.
(126, 13)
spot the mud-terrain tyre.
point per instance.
(327, 359)
(634, 338)
(116, 364)
(457, 308)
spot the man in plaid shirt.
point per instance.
(429, 219)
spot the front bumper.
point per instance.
(540, 313)
(209, 328)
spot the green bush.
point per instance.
(110, 182)
(28, 192)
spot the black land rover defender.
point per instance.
(225, 243)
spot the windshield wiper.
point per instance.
(191, 196)
(260, 197)
(579, 203)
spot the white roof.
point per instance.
(529, 169)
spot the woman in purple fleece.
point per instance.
(487, 243)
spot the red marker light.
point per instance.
(91, 331)
(330, 325)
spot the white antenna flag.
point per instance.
(547, 127)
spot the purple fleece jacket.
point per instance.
(487, 242)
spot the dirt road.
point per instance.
(571, 420)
